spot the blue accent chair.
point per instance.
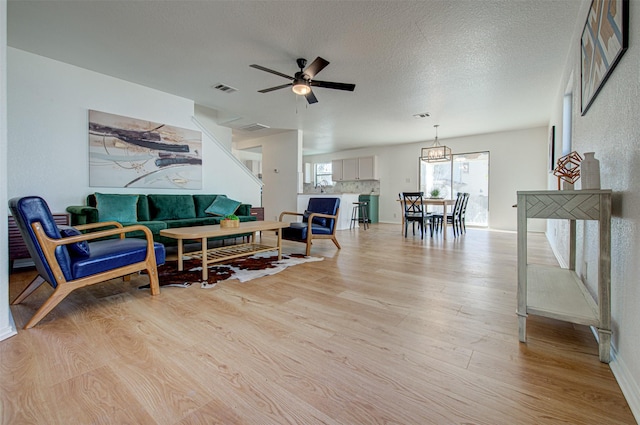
(69, 260)
(318, 222)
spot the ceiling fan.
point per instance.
(303, 80)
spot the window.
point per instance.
(566, 123)
(323, 174)
(468, 172)
(436, 175)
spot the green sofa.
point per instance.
(156, 211)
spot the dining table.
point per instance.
(433, 201)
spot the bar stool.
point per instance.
(359, 213)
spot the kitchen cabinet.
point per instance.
(336, 170)
(556, 292)
(372, 206)
(351, 169)
(368, 168)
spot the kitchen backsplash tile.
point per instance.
(357, 186)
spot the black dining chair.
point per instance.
(463, 213)
(455, 219)
(415, 212)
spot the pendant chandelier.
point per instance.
(437, 152)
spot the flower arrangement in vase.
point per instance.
(435, 193)
(230, 220)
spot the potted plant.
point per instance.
(230, 220)
(435, 193)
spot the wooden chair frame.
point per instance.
(310, 234)
(64, 287)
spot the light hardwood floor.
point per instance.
(387, 330)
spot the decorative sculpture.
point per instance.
(568, 168)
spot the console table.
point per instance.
(559, 293)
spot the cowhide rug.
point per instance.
(242, 269)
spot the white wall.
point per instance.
(7, 327)
(48, 122)
(518, 161)
(281, 152)
(209, 118)
(610, 129)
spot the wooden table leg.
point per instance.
(402, 215)
(180, 253)
(205, 268)
(279, 244)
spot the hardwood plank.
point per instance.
(98, 398)
(386, 330)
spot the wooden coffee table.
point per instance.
(222, 253)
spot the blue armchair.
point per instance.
(318, 222)
(66, 260)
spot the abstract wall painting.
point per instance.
(605, 38)
(129, 152)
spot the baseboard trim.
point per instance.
(628, 385)
(556, 254)
(10, 330)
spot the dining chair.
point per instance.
(415, 212)
(463, 213)
(455, 218)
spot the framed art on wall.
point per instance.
(130, 152)
(605, 38)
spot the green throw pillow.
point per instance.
(121, 208)
(222, 206)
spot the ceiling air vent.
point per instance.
(224, 88)
(254, 127)
(422, 115)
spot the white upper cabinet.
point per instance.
(368, 168)
(365, 168)
(350, 169)
(336, 170)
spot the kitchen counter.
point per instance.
(346, 205)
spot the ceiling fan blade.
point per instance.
(316, 66)
(271, 71)
(275, 88)
(311, 98)
(332, 85)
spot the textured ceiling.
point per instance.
(476, 66)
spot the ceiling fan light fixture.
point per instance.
(301, 88)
